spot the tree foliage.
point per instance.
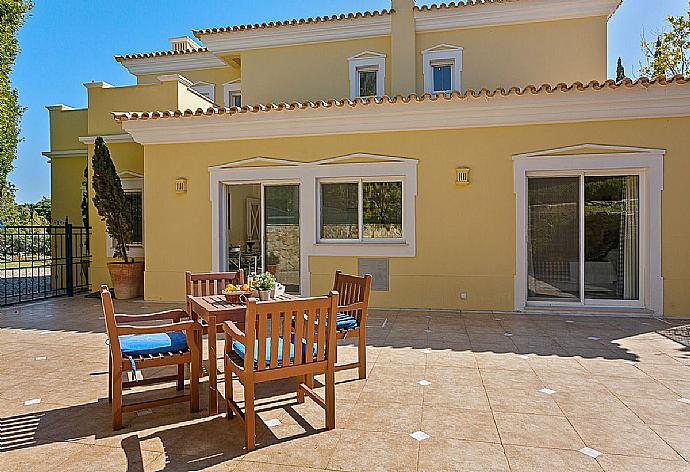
(12, 16)
(620, 70)
(670, 55)
(109, 199)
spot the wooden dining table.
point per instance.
(215, 310)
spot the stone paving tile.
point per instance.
(531, 459)
(481, 410)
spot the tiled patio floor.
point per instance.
(502, 392)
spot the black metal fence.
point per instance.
(38, 262)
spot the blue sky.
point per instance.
(68, 42)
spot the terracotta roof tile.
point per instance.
(158, 54)
(294, 22)
(545, 89)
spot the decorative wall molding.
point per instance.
(174, 63)
(471, 112)
(508, 13)
(66, 153)
(236, 41)
(110, 138)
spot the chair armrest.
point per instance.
(173, 315)
(234, 332)
(166, 328)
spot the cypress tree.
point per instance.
(620, 71)
(109, 199)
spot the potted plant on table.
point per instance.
(109, 199)
(265, 283)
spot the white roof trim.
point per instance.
(66, 153)
(365, 55)
(111, 138)
(173, 63)
(442, 48)
(607, 104)
(236, 41)
(595, 150)
(509, 13)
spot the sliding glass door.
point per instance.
(583, 239)
(282, 234)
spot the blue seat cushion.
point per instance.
(159, 343)
(345, 322)
(238, 347)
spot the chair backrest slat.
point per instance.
(261, 321)
(310, 328)
(275, 338)
(288, 337)
(321, 335)
(298, 316)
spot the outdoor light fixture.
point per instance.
(181, 185)
(462, 176)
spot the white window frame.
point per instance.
(603, 160)
(232, 88)
(307, 174)
(360, 210)
(441, 55)
(206, 89)
(132, 182)
(367, 61)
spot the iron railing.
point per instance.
(39, 262)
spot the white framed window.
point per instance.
(232, 93)
(588, 227)
(361, 210)
(133, 185)
(442, 68)
(367, 74)
(206, 89)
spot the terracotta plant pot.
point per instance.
(128, 279)
(272, 268)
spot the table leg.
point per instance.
(212, 367)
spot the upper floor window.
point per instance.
(367, 74)
(205, 89)
(442, 68)
(232, 93)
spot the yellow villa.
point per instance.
(417, 144)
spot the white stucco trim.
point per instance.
(607, 104)
(66, 153)
(448, 54)
(648, 163)
(236, 41)
(109, 139)
(173, 63)
(234, 86)
(308, 175)
(510, 13)
(367, 59)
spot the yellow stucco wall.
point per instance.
(217, 76)
(305, 72)
(66, 126)
(517, 55)
(66, 177)
(465, 236)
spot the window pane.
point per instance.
(236, 100)
(382, 210)
(367, 83)
(553, 246)
(133, 200)
(443, 78)
(282, 247)
(339, 211)
(612, 218)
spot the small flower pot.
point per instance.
(264, 295)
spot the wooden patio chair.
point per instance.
(139, 347)
(353, 305)
(213, 283)
(266, 351)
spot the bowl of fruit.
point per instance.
(237, 293)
